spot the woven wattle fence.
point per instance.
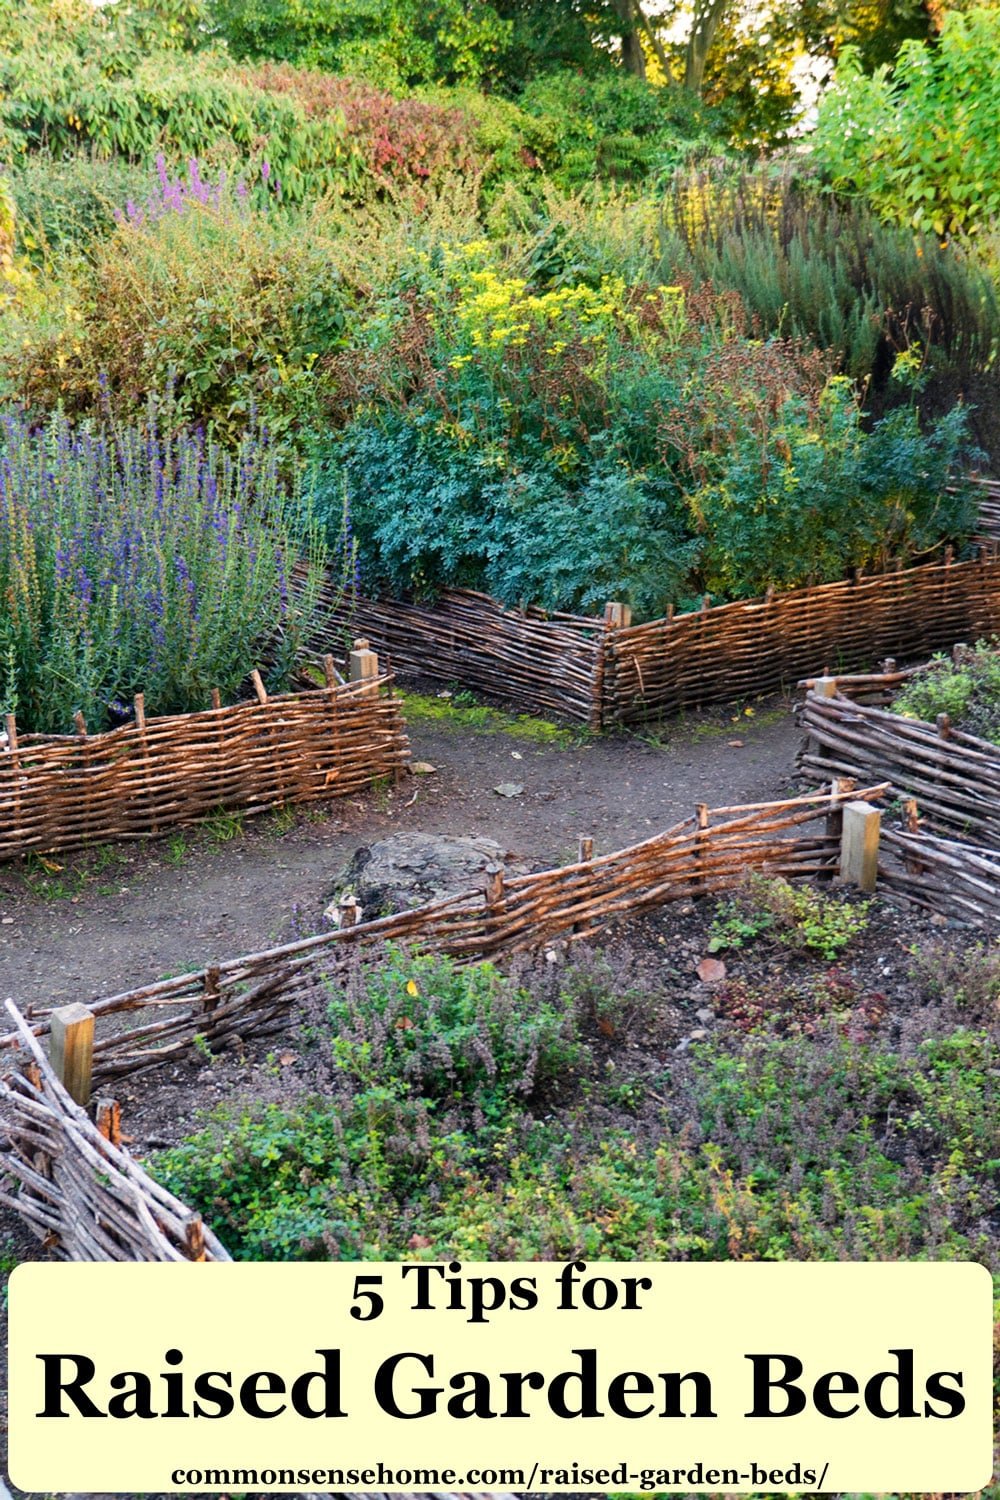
(989, 508)
(604, 672)
(227, 1002)
(954, 879)
(62, 791)
(543, 663)
(750, 647)
(74, 1185)
(83, 1195)
(954, 777)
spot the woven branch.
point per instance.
(751, 647)
(954, 777)
(989, 508)
(62, 791)
(956, 880)
(546, 663)
(84, 1196)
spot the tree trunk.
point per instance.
(633, 57)
(707, 15)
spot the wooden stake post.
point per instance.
(859, 845)
(364, 663)
(72, 1049)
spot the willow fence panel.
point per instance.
(954, 777)
(63, 791)
(757, 646)
(77, 1189)
(711, 851)
(602, 672)
(543, 663)
(953, 879)
(989, 508)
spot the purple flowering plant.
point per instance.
(134, 558)
(223, 193)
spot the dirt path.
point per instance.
(108, 921)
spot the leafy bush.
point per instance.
(806, 501)
(131, 560)
(235, 305)
(882, 136)
(82, 80)
(394, 42)
(426, 1029)
(571, 443)
(66, 202)
(616, 127)
(399, 140)
(966, 687)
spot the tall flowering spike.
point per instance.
(157, 563)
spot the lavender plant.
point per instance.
(223, 193)
(133, 558)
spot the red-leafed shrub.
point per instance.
(400, 140)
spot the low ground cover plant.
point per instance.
(437, 1142)
(797, 916)
(136, 559)
(966, 687)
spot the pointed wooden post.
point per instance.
(109, 1120)
(72, 1049)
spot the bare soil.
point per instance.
(83, 926)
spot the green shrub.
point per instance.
(235, 306)
(882, 136)
(809, 500)
(617, 128)
(84, 80)
(399, 43)
(966, 688)
(570, 443)
(426, 1029)
(66, 202)
(827, 270)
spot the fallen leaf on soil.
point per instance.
(423, 768)
(711, 970)
(509, 789)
